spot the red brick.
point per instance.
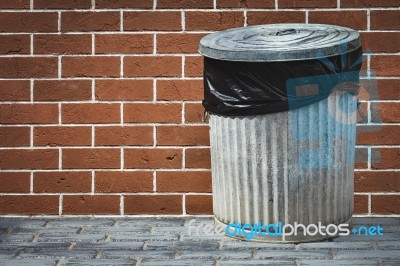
(379, 89)
(62, 4)
(152, 20)
(62, 182)
(386, 158)
(14, 182)
(267, 17)
(183, 135)
(91, 158)
(193, 112)
(373, 41)
(29, 205)
(385, 19)
(152, 113)
(124, 90)
(378, 135)
(307, 4)
(91, 204)
(198, 158)
(152, 66)
(195, 20)
(124, 4)
(153, 158)
(188, 90)
(15, 44)
(28, 67)
(15, 90)
(28, 22)
(124, 136)
(117, 182)
(177, 4)
(62, 90)
(194, 66)
(124, 43)
(91, 113)
(91, 66)
(245, 4)
(14, 136)
(361, 158)
(352, 19)
(178, 42)
(199, 204)
(14, 4)
(29, 159)
(367, 181)
(62, 44)
(385, 204)
(360, 204)
(90, 21)
(385, 65)
(153, 204)
(62, 136)
(364, 109)
(369, 3)
(187, 181)
(28, 113)
(389, 89)
(387, 113)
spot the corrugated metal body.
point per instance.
(286, 167)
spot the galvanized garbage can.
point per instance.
(282, 106)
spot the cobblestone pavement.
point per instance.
(166, 241)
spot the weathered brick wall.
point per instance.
(101, 101)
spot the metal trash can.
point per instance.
(282, 106)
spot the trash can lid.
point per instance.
(279, 42)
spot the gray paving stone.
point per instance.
(339, 262)
(108, 245)
(367, 254)
(387, 262)
(32, 246)
(336, 245)
(115, 254)
(182, 245)
(364, 238)
(30, 262)
(259, 262)
(116, 230)
(192, 262)
(221, 254)
(71, 238)
(44, 231)
(56, 254)
(390, 229)
(389, 245)
(240, 245)
(145, 221)
(294, 254)
(143, 237)
(16, 237)
(6, 254)
(376, 220)
(81, 222)
(98, 262)
(22, 222)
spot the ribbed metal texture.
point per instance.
(286, 167)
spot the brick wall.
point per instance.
(101, 102)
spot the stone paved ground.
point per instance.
(166, 241)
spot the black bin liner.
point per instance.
(235, 88)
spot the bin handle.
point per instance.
(204, 117)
